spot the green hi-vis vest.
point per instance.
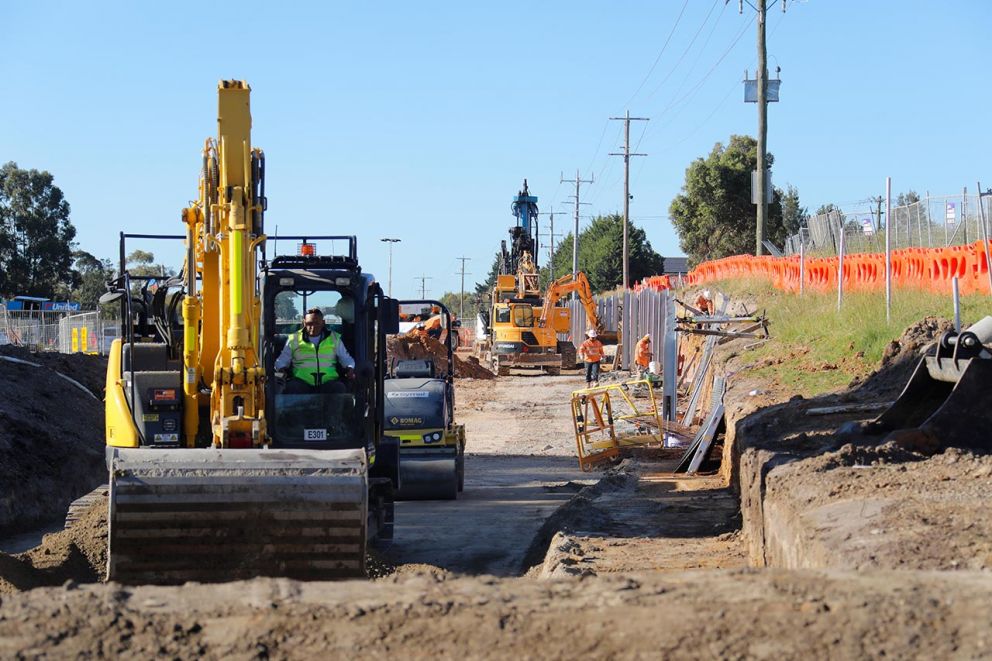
(310, 360)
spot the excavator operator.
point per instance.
(312, 355)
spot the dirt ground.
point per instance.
(51, 434)
(540, 560)
(702, 614)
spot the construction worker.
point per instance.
(643, 355)
(704, 302)
(591, 352)
(312, 355)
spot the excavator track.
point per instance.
(212, 515)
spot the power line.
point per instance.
(686, 51)
(662, 52)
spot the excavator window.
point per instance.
(503, 315)
(325, 416)
(523, 316)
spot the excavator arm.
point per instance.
(564, 286)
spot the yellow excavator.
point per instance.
(216, 474)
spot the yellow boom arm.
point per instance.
(220, 344)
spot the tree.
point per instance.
(601, 254)
(93, 275)
(794, 215)
(828, 208)
(452, 300)
(35, 233)
(483, 288)
(713, 214)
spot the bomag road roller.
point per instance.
(217, 474)
(420, 417)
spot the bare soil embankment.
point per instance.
(817, 494)
(51, 434)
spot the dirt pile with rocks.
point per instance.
(77, 554)
(417, 346)
(51, 433)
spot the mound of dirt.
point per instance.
(900, 357)
(77, 554)
(416, 346)
(51, 435)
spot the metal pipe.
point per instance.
(985, 236)
(802, 264)
(888, 250)
(840, 269)
(957, 304)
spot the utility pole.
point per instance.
(461, 300)
(627, 119)
(762, 131)
(578, 181)
(761, 176)
(390, 243)
(423, 284)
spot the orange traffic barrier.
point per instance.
(927, 269)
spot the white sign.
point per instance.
(868, 226)
(949, 213)
(407, 394)
(314, 434)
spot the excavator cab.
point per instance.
(327, 414)
(349, 414)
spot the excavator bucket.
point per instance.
(948, 400)
(209, 515)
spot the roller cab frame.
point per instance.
(419, 415)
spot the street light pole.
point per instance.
(390, 243)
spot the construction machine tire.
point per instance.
(209, 515)
(428, 474)
(567, 352)
(460, 468)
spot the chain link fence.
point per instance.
(932, 222)
(56, 330)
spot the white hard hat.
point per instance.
(706, 293)
(591, 332)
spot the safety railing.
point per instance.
(609, 417)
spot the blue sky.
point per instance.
(420, 120)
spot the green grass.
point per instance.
(822, 348)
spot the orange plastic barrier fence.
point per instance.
(928, 269)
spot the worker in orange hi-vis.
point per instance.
(643, 354)
(591, 352)
(704, 302)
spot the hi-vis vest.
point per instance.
(308, 360)
(592, 350)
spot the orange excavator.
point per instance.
(578, 284)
